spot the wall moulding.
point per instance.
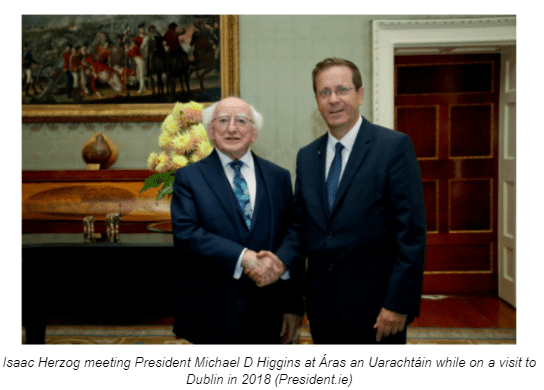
(391, 34)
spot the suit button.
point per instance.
(331, 236)
(330, 267)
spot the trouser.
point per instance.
(256, 326)
(335, 331)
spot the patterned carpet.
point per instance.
(162, 334)
(461, 336)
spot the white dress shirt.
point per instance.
(247, 170)
(347, 141)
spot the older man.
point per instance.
(226, 208)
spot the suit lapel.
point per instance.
(262, 191)
(356, 157)
(317, 176)
(220, 186)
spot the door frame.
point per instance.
(438, 36)
(507, 178)
(428, 37)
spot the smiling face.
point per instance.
(232, 139)
(339, 112)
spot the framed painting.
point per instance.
(114, 68)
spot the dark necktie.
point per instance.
(241, 191)
(334, 174)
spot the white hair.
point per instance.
(208, 113)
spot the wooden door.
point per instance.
(507, 178)
(448, 105)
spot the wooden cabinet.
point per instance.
(57, 201)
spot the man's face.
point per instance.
(232, 129)
(340, 112)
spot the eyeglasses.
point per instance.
(240, 121)
(327, 93)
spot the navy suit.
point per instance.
(368, 251)
(210, 232)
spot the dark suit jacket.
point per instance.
(368, 251)
(210, 232)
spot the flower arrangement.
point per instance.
(183, 141)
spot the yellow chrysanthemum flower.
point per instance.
(199, 132)
(152, 161)
(183, 143)
(193, 116)
(164, 163)
(208, 149)
(190, 113)
(178, 108)
(194, 106)
(204, 149)
(170, 125)
(179, 161)
(194, 157)
(165, 140)
(164, 124)
(183, 121)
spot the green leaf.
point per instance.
(166, 189)
(157, 179)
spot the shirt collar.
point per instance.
(246, 158)
(347, 140)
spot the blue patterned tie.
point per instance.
(241, 191)
(334, 174)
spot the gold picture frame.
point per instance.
(148, 112)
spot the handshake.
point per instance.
(263, 268)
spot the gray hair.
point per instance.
(208, 112)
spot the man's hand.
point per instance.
(273, 267)
(250, 261)
(267, 269)
(289, 329)
(389, 322)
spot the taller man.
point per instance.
(360, 220)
